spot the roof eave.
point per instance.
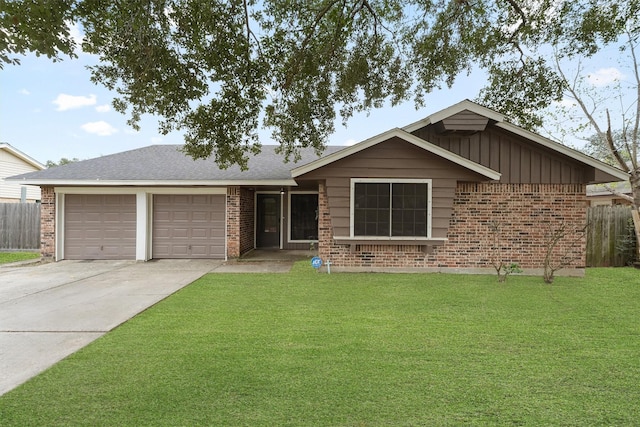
(567, 151)
(160, 183)
(453, 110)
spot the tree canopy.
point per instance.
(220, 70)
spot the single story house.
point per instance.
(13, 162)
(422, 197)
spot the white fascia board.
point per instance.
(406, 136)
(140, 190)
(452, 111)
(344, 153)
(152, 183)
(563, 149)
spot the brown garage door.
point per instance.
(189, 226)
(100, 226)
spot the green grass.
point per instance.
(7, 257)
(358, 350)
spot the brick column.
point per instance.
(325, 233)
(233, 222)
(48, 223)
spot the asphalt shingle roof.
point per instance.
(168, 163)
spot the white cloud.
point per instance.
(76, 34)
(24, 92)
(103, 108)
(100, 128)
(605, 76)
(69, 102)
(350, 142)
(156, 140)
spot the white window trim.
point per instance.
(289, 216)
(355, 181)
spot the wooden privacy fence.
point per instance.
(610, 236)
(19, 226)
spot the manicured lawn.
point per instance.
(7, 257)
(358, 350)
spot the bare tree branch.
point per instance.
(612, 147)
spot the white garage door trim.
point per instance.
(144, 217)
(99, 226)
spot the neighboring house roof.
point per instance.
(595, 190)
(406, 136)
(13, 162)
(168, 165)
(20, 155)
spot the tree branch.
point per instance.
(612, 147)
(511, 40)
(636, 128)
(250, 33)
(618, 193)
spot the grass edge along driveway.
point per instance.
(358, 350)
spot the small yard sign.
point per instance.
(316, 262)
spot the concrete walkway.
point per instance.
(50, 311)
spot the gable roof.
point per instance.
(406, 136)
(452, 111)
(20, 155)
(168, 165)
(499, 121)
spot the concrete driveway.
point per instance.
(49, 311)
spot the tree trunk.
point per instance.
(635, 189)
(636, 223)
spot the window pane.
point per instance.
(371, 209)
(304, 217)
(409, 210)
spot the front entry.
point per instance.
(268, 220)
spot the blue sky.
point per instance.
(52, 110)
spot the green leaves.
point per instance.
(221, 70)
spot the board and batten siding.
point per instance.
(392, 159)
(10, 165)
(517, 161)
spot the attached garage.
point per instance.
(100, 226)
(189, 226)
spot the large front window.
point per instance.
(393, 208)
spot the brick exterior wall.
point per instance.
(247, 212)
(525, 212)
(240, 212)
(48, 223)
(233, 222)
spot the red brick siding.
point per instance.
(48, 223)
(233, 222)
(525, 211)
(247, 201)
(240, 208)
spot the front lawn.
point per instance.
(358, 350)
(7, 257)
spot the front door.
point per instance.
(268, 221)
